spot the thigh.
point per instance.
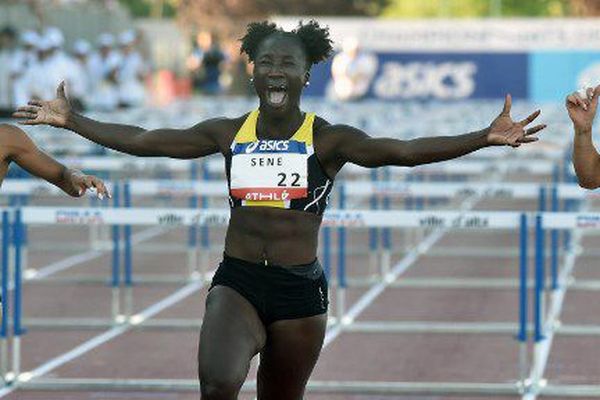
(289, 356)
(231, 334)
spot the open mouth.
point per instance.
(276, 95)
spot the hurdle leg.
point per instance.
(204, 260)
(24, 259)
(115, 284)
(386, 262)
(374, 269)
(341, 275)
(523, 335)
(115, 303)
(192, 256)
(93, 230)
(4, 291)
(16, 357)
(17, 295)
(340, 303)
(3, 359)
(128, 301)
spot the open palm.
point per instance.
(54, 112)
(504, 131)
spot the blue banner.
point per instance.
(436, 76)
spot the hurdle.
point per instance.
(340, 220)
(4, 292)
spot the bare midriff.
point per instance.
(272, 235)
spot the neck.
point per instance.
(278, 126)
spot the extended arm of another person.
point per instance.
(194, 142)
(586, 160)
(21, 149)
(361, 149)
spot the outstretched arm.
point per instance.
(586, 160)
(357, 147)
(18, 147)
(197, 141)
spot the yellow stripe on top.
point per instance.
(247, 132)
(305, 132)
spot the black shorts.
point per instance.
(276, 292)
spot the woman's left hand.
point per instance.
(503, 131)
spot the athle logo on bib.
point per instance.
(268, 145)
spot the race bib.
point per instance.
(269, 170)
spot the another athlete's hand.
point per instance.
(582, 109)
(79, 183)
(503, 131)
(54, 112)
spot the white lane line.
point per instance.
(98, 340)
(377, 289)
(70, 262)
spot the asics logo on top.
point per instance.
(251, 147)
(266, 145)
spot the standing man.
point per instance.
(8, 51)
(582, 110)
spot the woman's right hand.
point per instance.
(54, 112)
(582, 109)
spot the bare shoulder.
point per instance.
(329, 139)
(8, 131)
(334, 133)
(13, 138)
(223, 129)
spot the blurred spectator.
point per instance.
(52, 66)
(132, 72)
(8, 50)
(42, 77)
(82, 84)
(237, 72)
(24, 59)
(206, 63)
(352, 71)
(104, 66)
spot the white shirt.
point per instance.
(131, 88)
(6, 84)
(23, 61)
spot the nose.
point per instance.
(275, 72)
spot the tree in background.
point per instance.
(586, 8)
(478, 8)
(229, 17)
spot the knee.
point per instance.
(219, 389)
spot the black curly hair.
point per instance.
(316, 41)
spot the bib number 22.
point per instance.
(283, 178)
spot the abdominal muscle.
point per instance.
(278, 236)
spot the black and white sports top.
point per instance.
(276, 173)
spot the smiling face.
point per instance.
(280, 73)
